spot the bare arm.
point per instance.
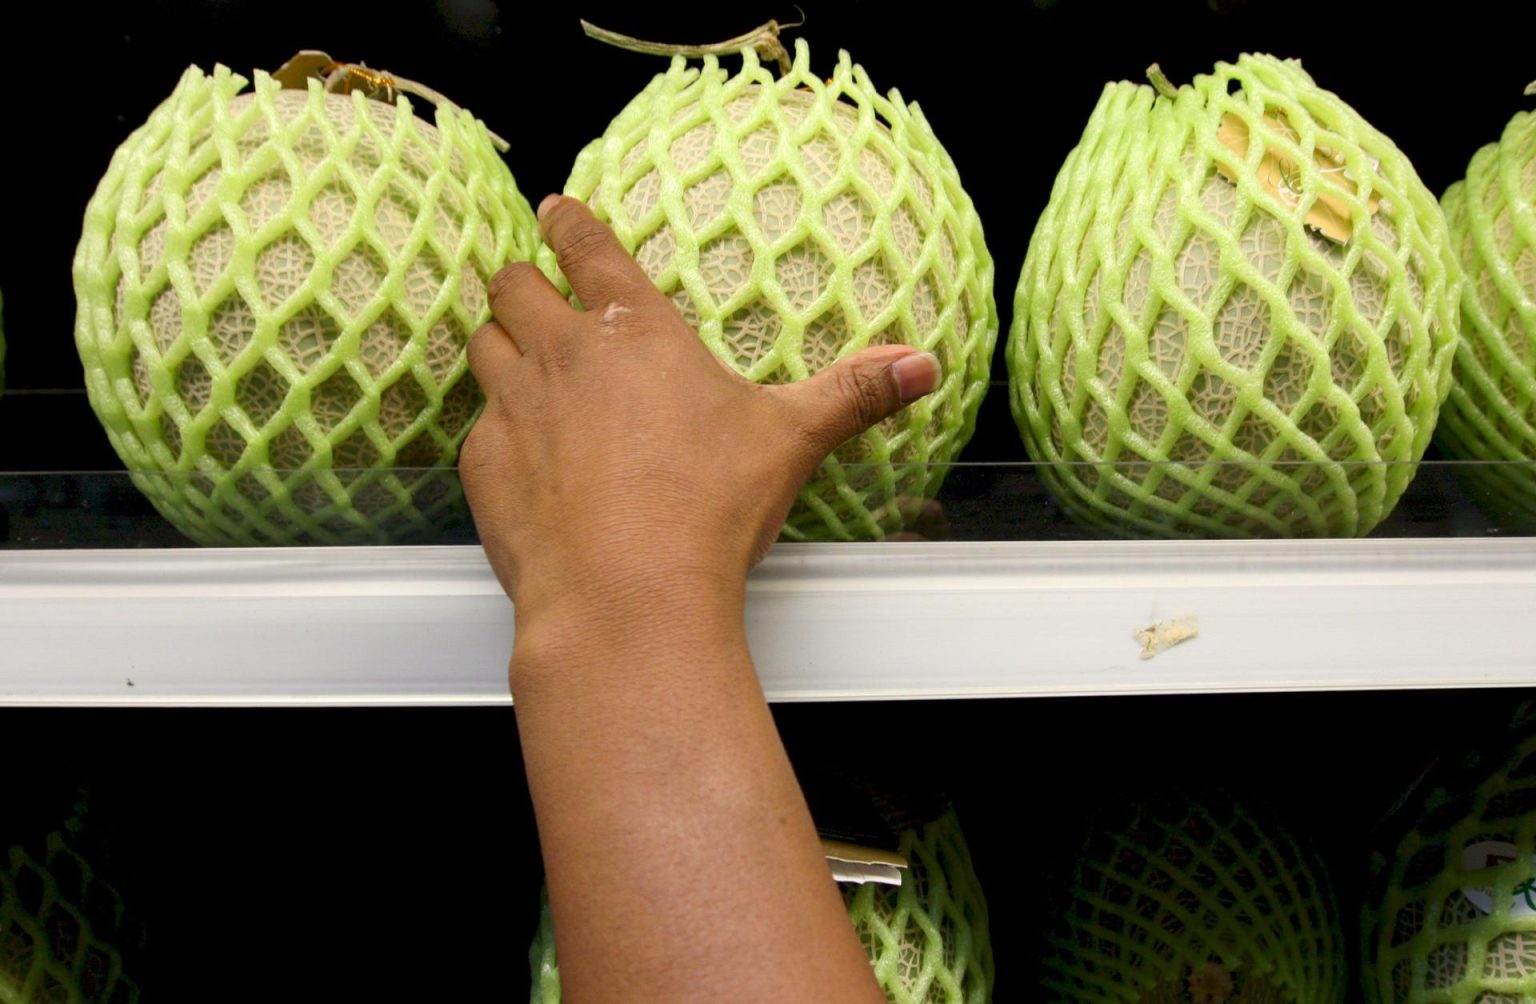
(623, 482)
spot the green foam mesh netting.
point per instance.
(927, 940)
(1491, 412)
(275, 291)
(1190, 356)
(1452, 915)
(58, 921)
(794, 221)
(1195, 900)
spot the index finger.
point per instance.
(599, 269)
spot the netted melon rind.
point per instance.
(1425, 941)
(1176, 885)
(794, 221)
(542, 961)
(275, 289)
(57, 923)
(1191, 359)
(927, 940)
(1490, 414)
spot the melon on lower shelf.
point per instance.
(1452, 913)
(1195, 898)
(58, 925)
(926, 939)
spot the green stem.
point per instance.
(1161, 82)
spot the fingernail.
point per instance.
(547, 204)
(915, 375)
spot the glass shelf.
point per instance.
(44, 510)
(66, 490)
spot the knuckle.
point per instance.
(506, 278)
(487, 330)
(582, 242)
(501, 281)
(479, 351)
(558, 357)
(862, 389)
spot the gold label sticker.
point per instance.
(1280, 175)
(295, 74)
(344, 78)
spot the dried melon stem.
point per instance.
(344, 78)
(764, 39)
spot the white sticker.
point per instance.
(1493, 854)
(860, 872)
(859, 865)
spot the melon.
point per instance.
(58, 925)
(1491, 412)
(1453, 913)
(926, 939)
(275, 290)
(793, 221)
(1237, 313)
(1195, 900)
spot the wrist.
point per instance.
(621, 620)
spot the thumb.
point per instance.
(854, 393)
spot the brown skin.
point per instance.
(623, 482)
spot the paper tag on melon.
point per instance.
(1492, 854)
(1280, 175)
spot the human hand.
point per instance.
(617, 459)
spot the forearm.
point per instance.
(623, 481)
(675, 836)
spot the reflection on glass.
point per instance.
(978, 502)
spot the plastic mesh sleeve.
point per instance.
(57, 923)
(1190, 356)
(1491, 412)
(927, 940)
(275, 290)
(794, 221)
(1446, 927)
(1196, 899)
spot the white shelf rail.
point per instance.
(429, 625)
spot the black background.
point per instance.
(318, 854)
(390, 854)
